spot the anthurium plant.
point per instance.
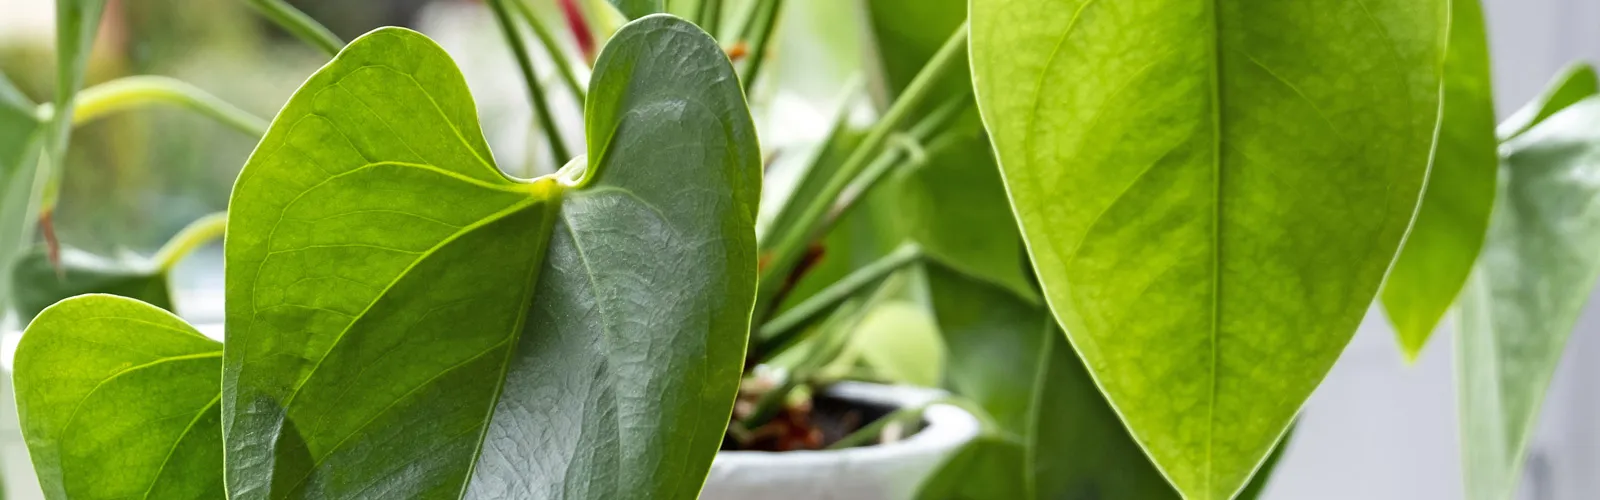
(1135, 237)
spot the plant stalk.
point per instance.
(131, 92)
(777, 335)
(558, 149)
(552, 48)
(299, 24)
(195, 235)
(807, 226)
(710, 15)
(759, 35)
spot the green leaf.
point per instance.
(953, 202)
(1211, 193)
(1448, 232)
(1538, 267)
(1060, 437)
(1575, 83)
(38, 284)
(118, 399)
(639, 8)
(77, 23)
(907, 34)
(955, 206)
(900, 343)
(404, 319)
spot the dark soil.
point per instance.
(819, 422)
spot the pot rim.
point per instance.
(946, 427)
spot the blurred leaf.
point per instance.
(1212, 194)
(1061, 439)
(900, 342)
(400, 313)
(118, 399)
(1448, 231)
(77, 24)
(635, 9)
(1539, 264)
(955, 206)
(37, 284)
(1575, 83)
(907, 34)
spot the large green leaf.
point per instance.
(1211, 192)
(404, 321)
(1449, 229)
(1539, 264)
(38, 283)
(118, 399)
(1576, 82)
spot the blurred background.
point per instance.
(1376, 429)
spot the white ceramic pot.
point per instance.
(890, 471)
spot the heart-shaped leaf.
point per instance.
(119, 399)
(1211, 192)
(1538, 267)
(1448, 232)
(405, 321)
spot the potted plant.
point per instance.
(1138, 255)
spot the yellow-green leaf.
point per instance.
(1211, 193)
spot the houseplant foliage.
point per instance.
(1223, 173)
(427, 327)
(1130, 238)
(1537, 270)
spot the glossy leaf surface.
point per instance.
(119, 399)
(405, 321)
(1448, 232)
(644, 305)
(1211, 193)
(1538, 267)
(37, 284)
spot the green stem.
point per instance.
(986, 424)
(824, 350)
(197, 234)
(759, 35)
(558, 149)
(711, 15)
(131, 92)
(907, 154)
(866, 434)
(776, 335)
(806, 228)
(552, 48)
(299, 24)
